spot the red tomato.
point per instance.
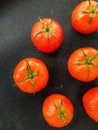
(83, 64)
(47, 35)
(90, 103)
(85, 17)
(31, 75)
(58, 110)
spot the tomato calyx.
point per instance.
(46, 29)
(91, 11)
(60, 111)
(30, 75)
(87, 61)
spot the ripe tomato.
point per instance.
(85, 17)
(90, 103)
(47, 35)
(83, 64)
(31, 75)
(58, 110)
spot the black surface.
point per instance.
(21, 111)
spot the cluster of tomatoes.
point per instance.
(31, 74)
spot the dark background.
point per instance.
(22, 111)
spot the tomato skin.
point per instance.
(50, 113)
(80, 19)
(80, 71)
(40, 81)
(54, 40)
(90, 103)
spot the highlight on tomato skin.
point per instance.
(90, 103)
(58, 110)
(84, 17)
(47, 35)
(31, 75)
(83, 64)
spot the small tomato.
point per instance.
(58, 110)
(85, 17)
(31, 75)
(83, 64)
(47, 35)
(90, 103)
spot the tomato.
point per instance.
(58, 110)
(90, 103)
(85, 17)
(31, 75)
(47, 35)
(83, 64)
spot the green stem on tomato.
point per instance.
(29, 76)
(91, 11)
(38, 33)
(46, 29)
(60, 111)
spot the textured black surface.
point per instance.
(21, 111)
